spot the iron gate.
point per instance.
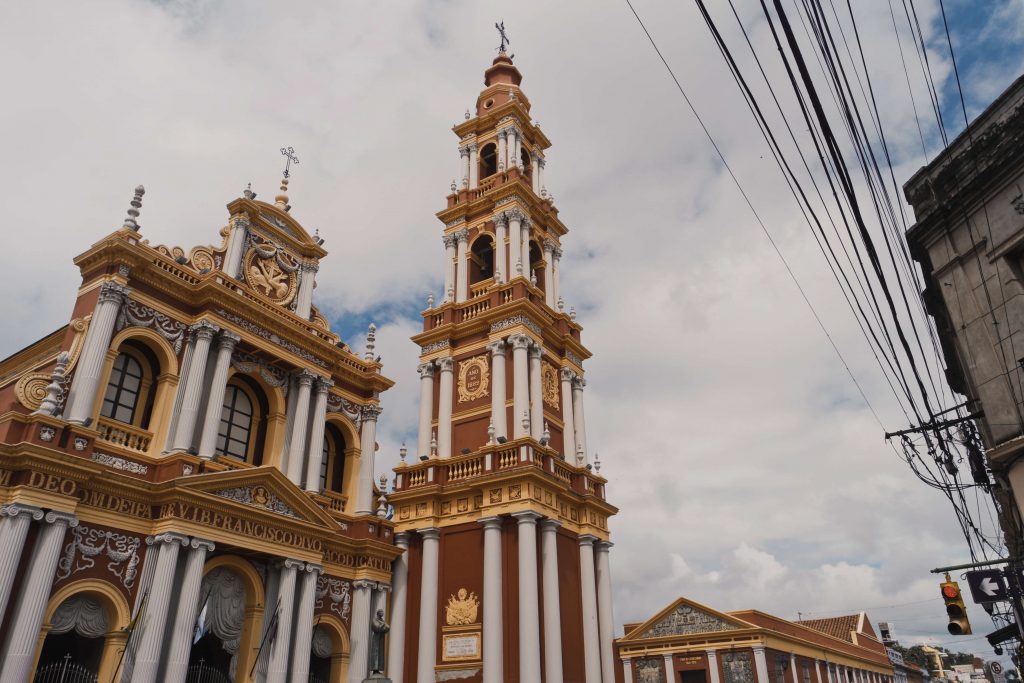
(64, 671)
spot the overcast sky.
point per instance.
(748, 470)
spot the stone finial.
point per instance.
(467, 115)
(572, 314)
(579, 455)
(454, 186)
(465, 183)
(433, 443)
(519, 267)
(450, 295)
(597, 463)
(248, 193)
(526, 421)
(317, 238)
(561, 304)
(545, 438)
(281, 200)
(403, 451)
(533, 279)
(130, 221)
(430, 299)
(490, 433)
(383, 482)
(51, 402)
(501, 166)
(371, 341)
(382, 499)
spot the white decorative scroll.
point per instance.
(83, 615)
(322, 645)
(273, 375)
(222, 600)
(684, 620)
(257, 496)
(513, 321)
(337, 404)
(119, 463)
(135, 314)
(88, 542)
(338, 592)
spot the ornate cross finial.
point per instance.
(289, 152)
(133, 213)
(503, 35)
(371, 338)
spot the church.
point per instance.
(188, 488)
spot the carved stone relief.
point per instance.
(88, 543)
(685, 620)
(338, 594)
(474, 378)
(257, 496)
(737, 667)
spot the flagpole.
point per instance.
(271, 627)
(132, 625)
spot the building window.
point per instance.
(332, 465)
(236, 420)
(781, 664)
(123, 390)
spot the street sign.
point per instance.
(996, 668)
(987, 585)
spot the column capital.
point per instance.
(446, 364)
(170, 537)
(309, 266)
(567, 374)
(500, 218)
(515, 214)
(384, 587)
(519, 341)
(305, 377)
(473, 147)
(313, 568)
(363, 583)
(549, 524)
(463, 150)
(535, 351)
(56, 517)
(113, 292)
(15, 509)
(603, 546)
(578, 382)
(324, 384)
(462, 235)
(402, 539)
(711, 652)
(425, 369)
(557, 253)
(549, 245)
(587, 539)
(431, 532)
(204, 329)
(202, 543)
(758, 649)
(497, 347)
(228, 340)
(493, 522)
(526, 517)
(289, 563)
(370, 412)
(449, 241)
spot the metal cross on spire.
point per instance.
(289, 152)
(504, 36)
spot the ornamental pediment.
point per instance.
(684, 618)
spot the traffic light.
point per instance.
(958, 624)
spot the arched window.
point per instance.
(525, 164)
(488, 160)
(123, 389)
(236, 423)
(481, 259)
(535, 264)
(332, 465)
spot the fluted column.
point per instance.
(449, 268)
(399, 608)
(498, 389)
(515, 240)
(300, 421)
(281, 648)
(556, 285)
(549, 286)
(540, 180)
(426, 371)
(302, 647)
(428, 605)
(529, 619)
(13, 529)
(19, 651)
(86, 380)
(552, 609)
(501, 266)
(187, 599)
(535, 173)
(362, 604)
(520, 383)
(202, 333)
(568, 427)
(502, 150)
(237, 239)
(761, 665)
(474, 168)
(147, 657)
(444, 407)
(605, 620)
(713, 666)
(226, 343)
(463, 166)
(524, 244)
(462, 276)
(493, 646)
(315, 447)
(817, 672)
(792, 667)
(588, 591)
(517, 154)
(304, 297)
(536, 400)
(367, 448)
(578, 421)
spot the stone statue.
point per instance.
(378, 628)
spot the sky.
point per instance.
(748, 470)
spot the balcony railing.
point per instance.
(331, 501)
(123, 435)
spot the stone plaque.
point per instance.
(461, 646)
(474, 378)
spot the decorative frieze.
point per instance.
(650, 670)
(685, 620)
(138, 315)
(119, 463)
(257, 496)
(513, 321)
(272, 375)
(436, 346)
(88, 543)
(264, 333)
(574, 358)
(338, 404)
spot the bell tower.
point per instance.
(500, 509)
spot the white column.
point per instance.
(515, 239)
(463, 166)
(529, 619)
(501, 268)
(761, 665)
(13, 530)
(502, 151)
(237, 239)
(552, 609)
(315, 448)
(202, 332)
(19, 651)
(462, 276)
(520, 380)
(218, 385)
(540, 180)
(304, 623)
(155, 618)
(399, 599)
(568, 428)
(281, 648)
(669, 668)
(605, 620)
(536, 401)
(498, 390)
(428, 606)
(588, 591)
(627, 670)
(577, 416)
(518, 151)
(792, 667)
(304, 297)
(367, 448)
(525, 245)
(297, 441)
(535, 173)
(713, 666)
(86, 380)
(449, 268)
(549, 286)
(817, 672)
(474, 169)
(444, 408)
(187, 599)
(493, 646)
(362, 604)
(556, 286)
(426, 371)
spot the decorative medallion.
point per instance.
(271, 272)
(549, 384)
(462, 608)
(257, 496)
(474, 378)
(119, 463)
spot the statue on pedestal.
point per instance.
(378, 629)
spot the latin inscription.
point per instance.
(458, 647)
(244, 527)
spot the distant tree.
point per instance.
(918, 657)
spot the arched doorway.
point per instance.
(219, 627)
(84, 633)
(328, 661)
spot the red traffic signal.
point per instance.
(956, 610)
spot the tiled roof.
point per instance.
(837, 627)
